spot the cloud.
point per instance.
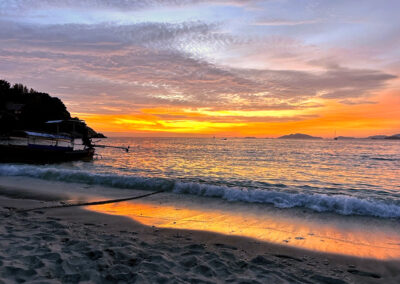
(233, 119)
(344, 83)
(116, 4)
(159, 35)
(358, 102)
(334, 83)
(277, 22)
(19, 6)
(145, 64)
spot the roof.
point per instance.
(60, 121)
(46, 135)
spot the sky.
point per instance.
(211, 68)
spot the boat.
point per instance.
(41, 147)
(58, 141)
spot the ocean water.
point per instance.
(346, 177)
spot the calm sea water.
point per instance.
(348, 177)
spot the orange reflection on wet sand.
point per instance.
(316, 236)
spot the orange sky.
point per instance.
(347, 120)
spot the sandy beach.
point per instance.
(200, 141)
(73, 245)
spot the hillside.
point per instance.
(26, 109)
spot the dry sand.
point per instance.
(72, 245)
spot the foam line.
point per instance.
(340, 204)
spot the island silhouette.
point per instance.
(299, 136)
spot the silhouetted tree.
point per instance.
(23, 108)
(4, 86)
(26, 109)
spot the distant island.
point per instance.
(377, 137)
(299, 136)
(26, 109)
(305, 136)
(395, 137)
(392, 137)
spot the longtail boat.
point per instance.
(39, 147)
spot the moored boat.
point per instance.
(39, 147)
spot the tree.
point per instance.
(26, 109)
(4, 86)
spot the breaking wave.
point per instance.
(340, 204)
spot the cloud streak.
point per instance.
(286, 22)
(7, 6)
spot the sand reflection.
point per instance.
(356, 239)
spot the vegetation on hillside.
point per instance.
(26, 109)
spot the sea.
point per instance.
(357, 177)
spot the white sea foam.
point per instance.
(80, 176)
(340, 204)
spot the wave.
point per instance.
(368, 157)
(80, 176)
(340, 204)
(385, 159)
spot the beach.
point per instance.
(74, 244)
(193, 141)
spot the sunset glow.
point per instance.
(317, 237)
(211, 68)
(349, 120)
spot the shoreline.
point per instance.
(74, 244)
(317, 200)
(357, 236)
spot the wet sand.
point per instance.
(322, 232)
(74, 244)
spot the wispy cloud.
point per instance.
(23, 5)
(278, 22)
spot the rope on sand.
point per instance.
(90, 203)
